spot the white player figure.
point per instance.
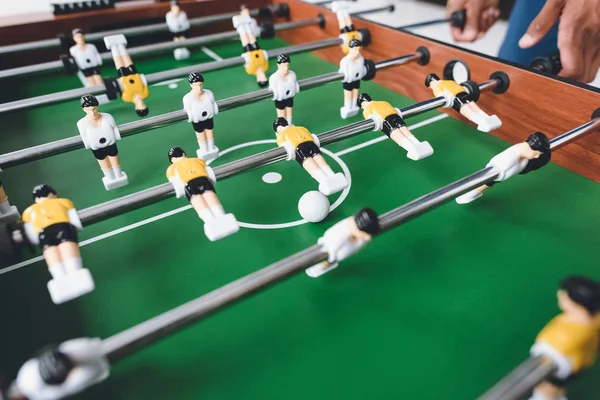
(246, 25)
(284, 85)
(179, 26)
(99, 132)
(344, 239)
(522, 158)
(64, 370)
(201, 107)
(354, 69)
(340, 8)
(87, 58)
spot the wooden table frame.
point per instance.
(534, 102)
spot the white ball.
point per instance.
(313, 206)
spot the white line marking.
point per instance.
(211, 54)
(239, 146)
(168, 82)
(101, 237)
(382, 138)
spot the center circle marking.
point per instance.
(335, 205)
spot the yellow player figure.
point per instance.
(347, 29)
(134, 88)
(571, 340)
(388, 120)
(256, 60)
(192, 178)
(52, 223)
(303, 146)
(458, 98)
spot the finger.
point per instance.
(474, 16)
(490, 16)
(592, 65)
(572, 55)
(541, 24)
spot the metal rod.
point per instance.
(521, 380)
(146, 333)
(34, 153)
(130, 32)
(425, 23)
(423, 204)
(156, 48)
(59, 97)
(158, 193)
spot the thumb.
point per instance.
(541, 24)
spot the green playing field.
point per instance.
(441, 308)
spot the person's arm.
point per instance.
(578, 35)
(481, 15)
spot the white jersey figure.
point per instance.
(179, 26)
(284, 85)
(344, 239)
(354, 69)
(87, 58)
(100, 133)
(201, 107)
(245, 24)
(64, 370)
(520, 158)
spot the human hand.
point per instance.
(578, 35)
(481, 15)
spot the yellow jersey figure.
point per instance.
(461, 101)
(52, 223)
(256, 63)
(192, 178)
(572, 339)
(134, 88)
(388, 120)
(303, 146)
(347, 37)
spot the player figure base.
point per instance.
(221, 227)
(68, 287)
(469, 197)
(181, 54)
(333, 184)
(116, 183)
(11, 216)
(320, 269)
(491, 123)
(209, 155)
(348, 112)
(420, 151)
